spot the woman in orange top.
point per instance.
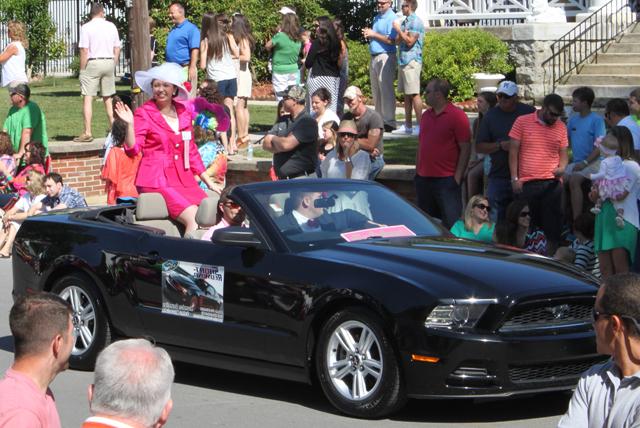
(119, 171)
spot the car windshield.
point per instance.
(324, 213)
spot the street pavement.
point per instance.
(205, 397)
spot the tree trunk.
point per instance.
(140, 46)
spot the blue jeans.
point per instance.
(439, 197)
(376, 166)
(500, 195)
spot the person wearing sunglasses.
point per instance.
(493, 139)
(229, 213)
(476, 224)
(608, 394)
(617, 113)
(517, 231)
(537, 159)
(347, 160)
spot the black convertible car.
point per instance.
(339, 281)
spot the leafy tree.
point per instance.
(41, 31)
(355, 14)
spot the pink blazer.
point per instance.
(163, 163)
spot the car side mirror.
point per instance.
(236, 236)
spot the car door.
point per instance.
(223, 299)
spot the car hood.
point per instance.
(456, 268)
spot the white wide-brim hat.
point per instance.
(168, 72)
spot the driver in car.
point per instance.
(308, 215)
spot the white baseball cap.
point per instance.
(286, 10)
(351, 92)
(508, 88)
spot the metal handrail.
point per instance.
(588, 38)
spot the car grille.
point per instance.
(550, 316)
(551, 372)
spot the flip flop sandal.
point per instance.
(84, 138)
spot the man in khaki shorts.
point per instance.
(410, 36)
(99, 50)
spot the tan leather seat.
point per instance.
(205, 216)
(151, 211)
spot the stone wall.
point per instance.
(398, 178)
(80, 164)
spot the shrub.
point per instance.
(264, 18)
(359, 60)
(455, 55)
(41, 31)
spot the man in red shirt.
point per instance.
(43, 335)
(443, 155)
(537, 159)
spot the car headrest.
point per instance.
(151, 206)
(206, 214)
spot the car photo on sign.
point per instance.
(193, 290)
(339, 282)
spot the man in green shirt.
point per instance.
(25, 121)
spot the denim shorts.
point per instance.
(228, 88)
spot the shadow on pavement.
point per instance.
(6, 343)
(444, 411)
(257, 386)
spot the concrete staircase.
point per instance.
(613, 74)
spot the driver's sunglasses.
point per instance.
(231, 204)
(347, 134)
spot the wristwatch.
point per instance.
(513, 179)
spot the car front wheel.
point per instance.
(357, 367)
(90, 323)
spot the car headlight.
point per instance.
(457, 314)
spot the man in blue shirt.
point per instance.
(410, 35)
(383, 63)
(183, 44)
(584, 128)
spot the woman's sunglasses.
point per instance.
(524, 214)
(487, 208)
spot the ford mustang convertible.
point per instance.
(337, 282)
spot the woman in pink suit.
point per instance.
(161, 128)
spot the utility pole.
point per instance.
(139, 37)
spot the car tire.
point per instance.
(90, 321)
(366, 382)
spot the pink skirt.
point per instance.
(177, 198)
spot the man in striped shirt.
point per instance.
(537, 159)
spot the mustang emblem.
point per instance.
(558, 312)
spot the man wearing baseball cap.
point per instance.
(25, 121)
(294, 152)
(493, 139)
(370, 128)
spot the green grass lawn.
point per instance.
(61, 102)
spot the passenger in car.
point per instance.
(164, 133)
(229, 213)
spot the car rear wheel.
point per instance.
(90, 322)
(357, 366)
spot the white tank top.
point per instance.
(13, 70)
(222, 68)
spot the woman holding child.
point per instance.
(164, 133)
(615, 241)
